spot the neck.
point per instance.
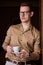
(26, 25)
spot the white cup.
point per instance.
(16, 49)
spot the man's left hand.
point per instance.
(22, 54)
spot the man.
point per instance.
(24, 35)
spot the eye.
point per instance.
(24, 12)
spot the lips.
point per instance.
(22, 18)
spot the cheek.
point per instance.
(27, 16)
(20, 16)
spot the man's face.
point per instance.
(25, 14)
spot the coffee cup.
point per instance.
(16, 49)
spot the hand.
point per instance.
(18, 54)
(22, 54)
(9, 49)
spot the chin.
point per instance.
(23, 21)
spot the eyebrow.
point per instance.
(24, 11)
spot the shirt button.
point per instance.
(21, 40)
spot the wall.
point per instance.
(42, 28)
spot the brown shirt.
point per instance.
(28, 40)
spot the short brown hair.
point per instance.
(26, 4)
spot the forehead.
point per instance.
(24, 8)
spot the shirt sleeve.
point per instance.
(35, 55)
(7, 38)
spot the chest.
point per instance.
(27, 37)
(24, 37)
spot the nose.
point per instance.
(23, 14)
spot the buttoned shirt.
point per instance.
(28, 40)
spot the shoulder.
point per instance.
(12, 27)
(36, 32)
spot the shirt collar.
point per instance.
(29, 28)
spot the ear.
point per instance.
(32, 13)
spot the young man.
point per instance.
(24, 35)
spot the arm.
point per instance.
(36, 53)
(7, 39)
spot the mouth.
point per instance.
(22, 18)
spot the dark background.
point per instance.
(9, 15)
